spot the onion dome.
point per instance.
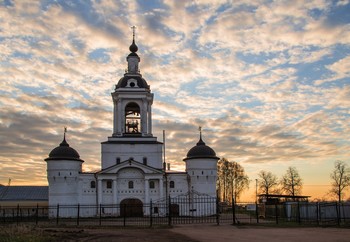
(133, 47)
(64, 152)
(201, 150)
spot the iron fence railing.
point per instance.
(180, 210)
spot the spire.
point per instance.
(133, 59)
(200, 142)
(64, 142)
(133, 47)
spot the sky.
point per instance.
(269, 82)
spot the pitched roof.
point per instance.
(20, 193)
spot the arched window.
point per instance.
(172, 184)
(92, 184)
(132, 118)
(151, 185)
(131, 184)
(109, 184)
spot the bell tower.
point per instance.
(132, 100)
(132, 118)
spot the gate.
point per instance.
(131, 208)
(193, 208)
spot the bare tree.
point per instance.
(232, 180)
(340, 179)
(240, 180)
(291, 182)
(267, 182)
(223, 179)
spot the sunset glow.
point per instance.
(268, 82)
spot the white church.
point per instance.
(133, 171)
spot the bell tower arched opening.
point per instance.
(132, 118)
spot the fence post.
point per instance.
(276, 212)
(337, 210)
(233, 210)
(17, 218)
(317, 213)
(217, 211)
(100, 213)
(37, 214)
(299, 219)
(124, 219)
(169, 211)
(57, 213)
(78, 215)
(150, 214)
(257, 212)
(342, 205)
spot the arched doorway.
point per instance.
(131, 207)
(174, 210)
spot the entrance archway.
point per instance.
(174, 210)
(131, 207)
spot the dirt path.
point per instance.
(135, 235)
(179, 233)
(226, 233)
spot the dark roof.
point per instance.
(141, 82)
(201, 150)
(20, 193)
(64, 152)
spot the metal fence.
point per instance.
(180, 210)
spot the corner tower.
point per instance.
(132, 136)
(63, 168)
(201, 167)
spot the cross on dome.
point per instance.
(133, 47)
(133, 31)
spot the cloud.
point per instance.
(267, 81)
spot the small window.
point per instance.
(117, 160)
(109, 184)
(151, 184)
(131, 184)
(172, 184)
(155, 210)
(92, 184)
(145, 160)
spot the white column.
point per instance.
(144, 117)
(99, 191)
(115, 192)
(161, 190)
(115, 195)
(115, 121)
(149, 119)
(146, 190)
(120, 118)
